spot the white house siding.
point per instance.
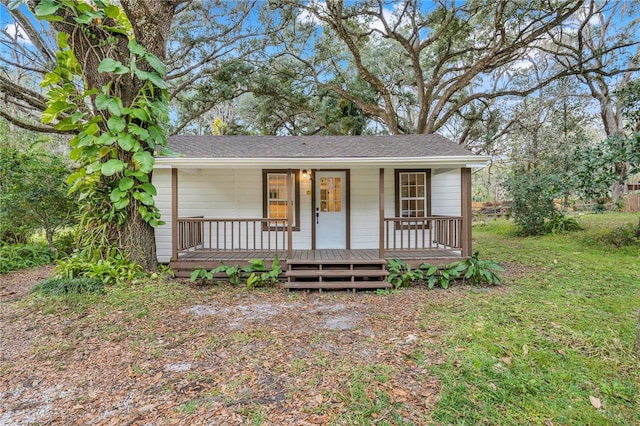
(162, 182)
(238, 194)
(446, 192)
(222, 194)
(364, 208)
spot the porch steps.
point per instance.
(336, 274)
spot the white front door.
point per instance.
(331, 210)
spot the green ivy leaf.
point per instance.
(111, 65)
(50, 78)
(136, 49)
(140, 114)
(126, 183)
(116, 195)
(150, 189)
(144, 160)
(121, 204)
(138, 131)
(144, 197)
(116, 124)
(106, 139)
(83, 19)
(102, 101)
(112, 11)
(112, 167)
(155, 63)
(92, 129)
(142, 75)
(47, 7)
(126, 141)
(157, 80)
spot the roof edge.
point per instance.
(222, 162)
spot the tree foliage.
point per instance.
(33, 195)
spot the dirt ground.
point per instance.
(201, 355)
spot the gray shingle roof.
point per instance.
(418, 146)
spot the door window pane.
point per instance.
(331, 194)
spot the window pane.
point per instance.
(412, 194)
(277, 195)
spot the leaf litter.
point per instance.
(221, 356)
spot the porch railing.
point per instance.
(423, 233)
(210, 234)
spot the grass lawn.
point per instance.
(552, 345)
(557, 341)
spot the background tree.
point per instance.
(419, 61)
(33, 195)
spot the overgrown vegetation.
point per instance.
(33, 195)
(255, 274)
(64, 286)
(21, 256)
(473, 270)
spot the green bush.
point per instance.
(65, 243)
(62, 286)
(532, 194)
(33, 194)
(21, 256)
(622, 236)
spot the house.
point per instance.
(335, 209)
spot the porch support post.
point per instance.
(381, 215)
(174, 214)
(290, 214)
(465, 192)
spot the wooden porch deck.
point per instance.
(188, 261)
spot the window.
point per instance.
(413, 193)
(274, 184)
(331, 194)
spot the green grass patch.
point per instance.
(560, 331)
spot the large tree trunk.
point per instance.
(151, 24)
(137, 238)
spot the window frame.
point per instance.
(266, 199)
(398, 192)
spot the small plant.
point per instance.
(478, 271)
(201, 274)
(449, 273)
(233, 272)
(258, 274)
(563, 223)
(430, 274)
(62, 286)
(401, 275)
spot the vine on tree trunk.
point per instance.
(116, 112)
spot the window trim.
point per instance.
(397, 191)
(296, 197)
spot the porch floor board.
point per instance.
(187, 262)
(319, 255)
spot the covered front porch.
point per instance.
(199, 241)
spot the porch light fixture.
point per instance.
(304, 174)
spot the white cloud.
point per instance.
(306, 17)
(15, 31)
